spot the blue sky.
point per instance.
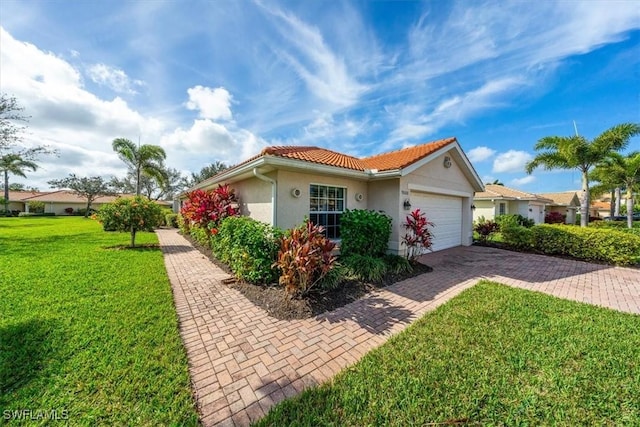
(219, 80)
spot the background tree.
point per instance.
(89, 188)
(15, 158)
(624, 171)
(576, 152)
(149, 187)
(496, 182)
(142, 159)
(13, 164)
(206, 172)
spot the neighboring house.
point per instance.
(566, 203)
(498, 200)
(602, 209)
(285, 185)
(58, 201)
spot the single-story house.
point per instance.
(498, 200)
(566, 203)
(600, 208)
(284, 185)
(58, 201)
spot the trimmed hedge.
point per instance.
(21, 214)
(200, 235)
(364, 232)
(171, 220)
(513, 219)
(249, 247)
(589, 244)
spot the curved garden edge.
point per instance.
(278, 304)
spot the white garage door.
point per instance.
(446, 213)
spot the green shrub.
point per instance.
(364, 232)
(365, 268)
(516, 236)
(200, 235)
(249, 247)
(36, 206)
(171, 220)
(485, 228)
(590, 244)
(183, 224)
(513, 219)
(36, 214)
(397, 264)
(334, 277)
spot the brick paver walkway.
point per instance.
(242, 361)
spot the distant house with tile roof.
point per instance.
(566, 203)
(498, 200)
(59, 201)
(283, 185)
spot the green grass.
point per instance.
(492, 356)
(87, 328)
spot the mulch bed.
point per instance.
(275, 301)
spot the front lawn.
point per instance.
(88, 330)
(492, 356)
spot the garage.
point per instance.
(445, 212)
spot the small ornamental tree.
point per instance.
(418, 238)
(130, 214)
(207, 208)
(554, 218)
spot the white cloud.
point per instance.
(511, 161)
(524, 180)
(212, 104)
(325, 73)
(480, 154)
(113, 78)
(212, 141)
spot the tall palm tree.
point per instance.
(142, 159)
(577, 152)
(13, 164)
(625, 170)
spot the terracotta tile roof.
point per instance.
(402, 158)
(601, 205)
(315, 155)
(566, 198)
(494, 191)
(64, 196)
(16, 196)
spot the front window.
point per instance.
(503, 208)
(326, 206)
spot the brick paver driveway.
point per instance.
(242, 361)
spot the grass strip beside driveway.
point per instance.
(88, 330)
(494, 355)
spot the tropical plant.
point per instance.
(130, 214)
(36, 206)
(89, 188)
(305, 258)
(143, 159)
(418, 238)
(365, 267)
(14, 164)
(577, 152)
(485, 228)
(207, 208)
(554, 218)
(625, 171)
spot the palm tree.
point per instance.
(625, 171)
(13, 164)
(576, 152)
(142, 159)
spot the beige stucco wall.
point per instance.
(293, 210)
(385, 196)
(484, 208)
(434, 177)
(255, 198)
